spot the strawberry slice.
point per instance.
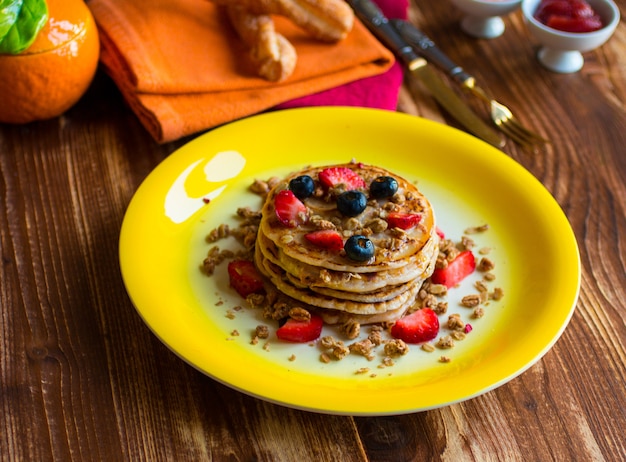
(458, 269)
(582, 9)
(440, 233)
(290, 211)
(244, 277)
(301, 331)
(403, 220)
(418, 327)
(334, 176)
(326, 239)
(574, 24)
(553, 8)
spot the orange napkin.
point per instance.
(178, 64)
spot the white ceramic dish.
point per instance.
(483, 17)
(562, 51)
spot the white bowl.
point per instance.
(482, 18)
(562, 51)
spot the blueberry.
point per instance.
(383, 187)
(351, 203)
(302, 186)
(359, 248)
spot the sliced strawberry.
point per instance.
(582, 9)
(403, 220)
(244, 277)
(418, 327)
(574, 24)
(301, 331)
(289, 209)
(458, 269)
(334, 176)
(553, 8)
(440, 233)
(326, 239)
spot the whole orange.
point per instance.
(51, 75)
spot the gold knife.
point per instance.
(369, 13)
(427, 48)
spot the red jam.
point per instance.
(568, 15)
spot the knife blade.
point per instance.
(369, 13)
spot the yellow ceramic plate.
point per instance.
(469, 183)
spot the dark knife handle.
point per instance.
(369, 13)
(427, 48)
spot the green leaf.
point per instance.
(9, 11)
(31, 18)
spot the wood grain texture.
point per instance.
(83, 378)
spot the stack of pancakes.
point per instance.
(328, 282)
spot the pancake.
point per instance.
(384, 294)
(343, 317)
(404, 299)
(321, 277)
(380, 295)
(328, 280)
(392, 250)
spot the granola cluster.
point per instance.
(245, 234)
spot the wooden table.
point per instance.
(83, 378)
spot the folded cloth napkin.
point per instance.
(176, 64)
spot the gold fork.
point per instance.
(504, 119)
(500, 114)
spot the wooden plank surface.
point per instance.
(82, 377)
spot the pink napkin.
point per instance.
(380, 91)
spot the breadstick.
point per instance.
(327, 20)
(271, 53)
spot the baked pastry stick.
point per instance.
(326, 20)
(273, 56)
